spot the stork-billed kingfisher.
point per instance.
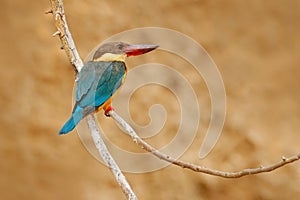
(100, 79)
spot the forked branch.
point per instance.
(69, 46)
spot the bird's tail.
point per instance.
(72, 122)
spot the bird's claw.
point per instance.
(107, 110)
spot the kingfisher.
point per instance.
(100, 80)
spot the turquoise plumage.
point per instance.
(97, 82)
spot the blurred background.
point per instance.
(256, 46)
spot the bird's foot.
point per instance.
(106, 112)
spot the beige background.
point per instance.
(256, 46)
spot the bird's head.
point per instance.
(119, 51)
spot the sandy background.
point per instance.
(256, 46)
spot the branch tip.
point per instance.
(49, 11)
(56, 33)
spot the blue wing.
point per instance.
(97, 82)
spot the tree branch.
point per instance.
(57, 9)
(68, 45)
(129, 131)
(107, 158)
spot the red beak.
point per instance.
(138, 49)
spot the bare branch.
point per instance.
(129, 130)
(57, 9)
(68, 45)
(107, 158)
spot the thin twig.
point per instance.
(68, 45)
(129, 130)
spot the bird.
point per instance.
(100, 80)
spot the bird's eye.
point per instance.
(120, 46)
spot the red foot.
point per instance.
(109, 108)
